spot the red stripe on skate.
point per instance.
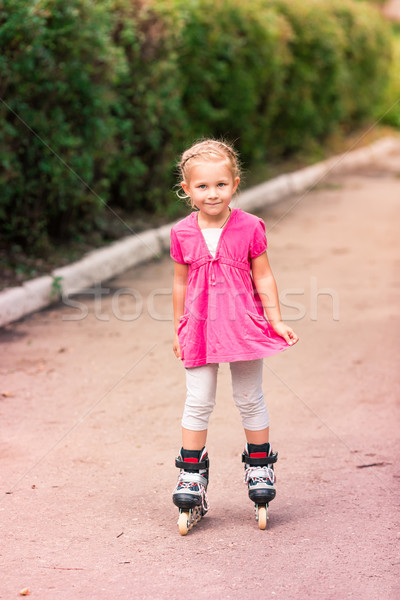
(258, 455)
(191, 460)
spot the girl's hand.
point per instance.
(176, 348)
(286, 332)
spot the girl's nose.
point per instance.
(213, 192)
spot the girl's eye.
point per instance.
(221, 184)
(202, 186)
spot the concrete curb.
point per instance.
(100, 265)
(105, 263)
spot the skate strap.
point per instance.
(181, 464)
(262, 462)
(189, 478)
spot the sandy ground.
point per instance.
(91, 401)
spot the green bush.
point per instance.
(340, 55)
(56, 75)
(367, 57)
(147, 111)
(233, 58)
(379, 2)
(311, 105)
(388, 108)
(116, 89)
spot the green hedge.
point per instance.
(367, 57)
(147, 109)
(313, 102)
(388, 107)
(56, 79)
(118, 88)
(233, 61)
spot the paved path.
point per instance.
(90, 410)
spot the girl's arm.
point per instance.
(178, 299)
(268, 292)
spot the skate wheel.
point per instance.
(262, 517)
(183, 522)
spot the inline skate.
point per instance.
(259, 475)
(190, 494)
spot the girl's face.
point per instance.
(211, 186)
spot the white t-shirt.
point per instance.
(211, 237)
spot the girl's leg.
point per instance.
(193, 440)
(249, 398)
(258, 456)
(257, 437)
(190, 493)
(201, 385)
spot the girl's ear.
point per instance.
(185, 187)
(236, 182)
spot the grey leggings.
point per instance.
(201, 384)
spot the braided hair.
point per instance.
(209, 149)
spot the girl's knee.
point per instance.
(253, 411)
(197, 413)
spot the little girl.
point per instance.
(223, 285)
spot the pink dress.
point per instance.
(224, 318)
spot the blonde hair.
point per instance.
(208, 149)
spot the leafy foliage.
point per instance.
(56, 76)
(233, 61)
(99, 98)
(147, 109)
